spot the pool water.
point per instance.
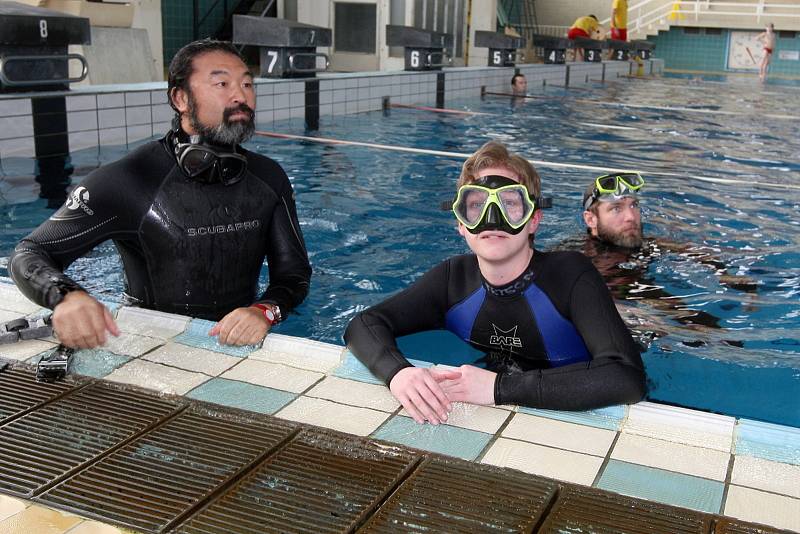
(715, 298)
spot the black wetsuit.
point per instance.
(553, 335)
(187, 247)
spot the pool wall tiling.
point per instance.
(120, 115)
(707, 462)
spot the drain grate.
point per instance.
(19, 392)
(41, 447)
(732, 526)
(586, 510)
(320, 482)
(160, 476)
(445, 495)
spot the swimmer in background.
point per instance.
(586, 28)
(767, 38)
(519, 85)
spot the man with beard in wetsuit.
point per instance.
(193, 216)
(616, 246)
(546, 322)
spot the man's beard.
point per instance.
(620, 239)
(227, 132)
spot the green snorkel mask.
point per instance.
(614, 187)
(494, 203)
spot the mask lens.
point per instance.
(196, 160)
(516, 205)
(231, 167)
(607, 184)
(633, 180)
(470, 205)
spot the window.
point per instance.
(397, 17)
(355, 28)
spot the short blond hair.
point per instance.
(495, 154)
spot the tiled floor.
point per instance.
(746, 469)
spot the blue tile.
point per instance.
(444, 439)
(351, 368)
(662, 486)
(769, 441)
(196, 335)
(91, 362)
(609, 418)
(242, 395)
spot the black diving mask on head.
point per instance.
(208, 163)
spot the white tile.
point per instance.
(113, 136)
(681, 425)
(158, 97)
(11, 299)
(766, 475)
(299, 352)
(10, 506)
(297, 100)
(151, 323)
(15, 106)
(138, 98)
(13, 127)
(545, 461)
(22, 350)
(157, 377)
(21, 147)
(129, 344)
(282, 114)
(78, 121)
(759, 507)
(82, 140)
(671, 456)
(161, 113)
(192, 359)
(111, 100)
(273, 375)
(297, 113)
(320, 412)
(265, 103)
(137, 133)
(81, 102)
(110, 118)
(559, 434)
(354, 393)
(487, 419)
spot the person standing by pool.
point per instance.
(193, 216)
(546, 322)
(583, 28)
(619, 20)
(767, 37)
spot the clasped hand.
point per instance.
(427, 394)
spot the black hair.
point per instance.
(181, 69)
(595, 18)
(514, 77)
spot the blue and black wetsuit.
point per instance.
(553, 335)
(187, 247)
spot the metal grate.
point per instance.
(585, 510)
(320, 482)
(732, 526)
(446, 495)
(163, 474)
(19, 392)
(47, 444)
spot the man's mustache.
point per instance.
(241, 108)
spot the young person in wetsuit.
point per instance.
(193, 216)
(546, 322)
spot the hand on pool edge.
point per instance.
(474, 385)
(80, 321)
(242, 326)
(418, 390)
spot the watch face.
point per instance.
(269, 315)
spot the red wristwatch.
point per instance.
(269, 313)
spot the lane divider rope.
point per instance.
(548, 164)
